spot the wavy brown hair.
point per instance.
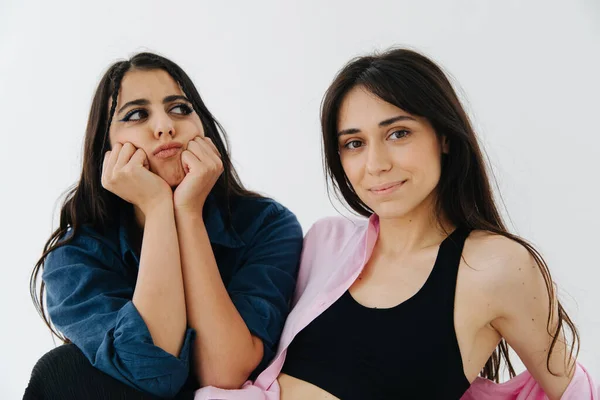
(417, 85)
(87, 202)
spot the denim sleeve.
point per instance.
(262, 288)
(89, 301)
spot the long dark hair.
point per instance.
(88, 203)
(417, 85)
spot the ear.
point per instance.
(445, 144)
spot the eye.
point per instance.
(353, 145)
(399, 134)
(181, 109)
(135, 115)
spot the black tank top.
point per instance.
(409, 351)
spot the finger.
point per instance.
(114, 155)
(190, 162)
(197, 150)
(112, 160)
(214, 153)
(125, 155)
(139, 158)
(105, 163)
(208, 152)
(212, 146)
(105, 160)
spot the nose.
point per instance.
(378, 159)
(163, 124)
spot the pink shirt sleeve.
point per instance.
(524, 387)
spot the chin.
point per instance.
(172, 174)
(173, 179)
(391, 209)
(386, 213)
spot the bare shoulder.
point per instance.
(508, 280)
(498, 262)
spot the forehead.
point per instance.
(362, 108)
(152, 85)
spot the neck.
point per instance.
(419, 229)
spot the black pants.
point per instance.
(65, 374)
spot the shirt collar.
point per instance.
(214, 220)
(371, 235)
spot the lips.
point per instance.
(386, 187)
(167, 150)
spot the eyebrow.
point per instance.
(384, 123)
(145, 102)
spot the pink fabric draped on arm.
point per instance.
(335, 250)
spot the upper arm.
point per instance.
(523, 305)
(84, 292)
(262, 288)
(89, 301)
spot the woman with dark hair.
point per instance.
(423, 299)
(163, 262)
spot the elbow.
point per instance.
(234, 373)
(229, 376)
(222, 381)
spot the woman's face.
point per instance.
(391, 158)
(153, 112)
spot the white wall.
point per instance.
(529, 71)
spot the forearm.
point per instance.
(158, 294)
(225, 352)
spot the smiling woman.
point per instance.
(420, 299)
(163, 263)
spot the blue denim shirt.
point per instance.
(90, 284)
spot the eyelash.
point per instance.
(185, 110)
(406, 133)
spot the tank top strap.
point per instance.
(445, 270)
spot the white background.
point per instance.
(529, 72)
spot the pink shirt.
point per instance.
(335, 251)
